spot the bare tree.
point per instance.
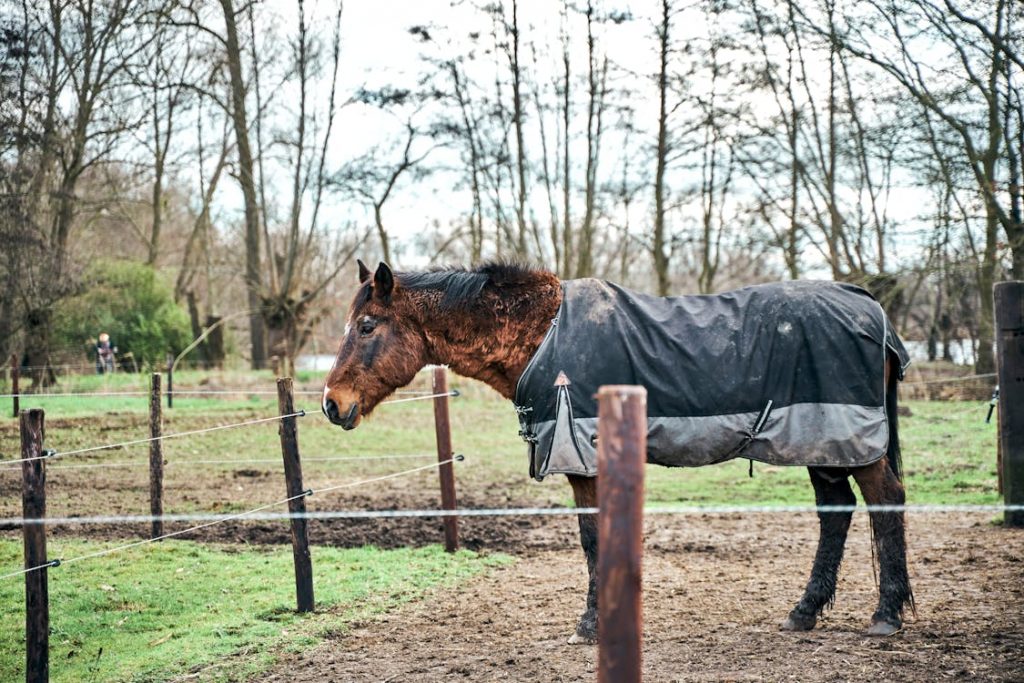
(978, 47)
(597, 90)
(246, 179)
(73, 62)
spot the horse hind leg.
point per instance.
(831, 487)
(584, 491)
(879, 485)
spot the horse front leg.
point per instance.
(584, 491)
(830, 488)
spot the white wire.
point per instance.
(78, 394)
(192, 392)
(512, 512)
(452, 393)
(222, 518)
(965, 378)
(135, 442)
(230, 461)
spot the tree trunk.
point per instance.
(247, 183)
(37, 348)
(517, 119)
(658, 246)
(595, 109)
(567, 241)
(197, 329)
(985, 362)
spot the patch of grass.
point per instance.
(161, 610)
(948, 457)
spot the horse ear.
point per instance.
(364, 272)
(383, 282)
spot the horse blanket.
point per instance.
(790, 373)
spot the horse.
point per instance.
(487, 323)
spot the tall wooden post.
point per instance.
(622, 451)
(1009, 302)
(446, 472)
(156, 458)
(15, 373)
(33, 506)
(288, 431)
(170, 382)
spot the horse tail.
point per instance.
(892, 415)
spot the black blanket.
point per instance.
(789, 374)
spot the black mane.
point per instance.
(462, 286)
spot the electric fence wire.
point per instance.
(683, 510)
(945, 380)
(220, 519)
(231, 461)
(204, 392)
(50, 454)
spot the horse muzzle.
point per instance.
(348, 420)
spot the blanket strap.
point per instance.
(751, 434)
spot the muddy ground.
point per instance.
(715, 589)
(715, 586)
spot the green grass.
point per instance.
(82, 406)
(161, 610)
(948, 457)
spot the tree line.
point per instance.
(674, 146)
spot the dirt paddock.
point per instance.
(715, 589)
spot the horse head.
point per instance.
(383, 348)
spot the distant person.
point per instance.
(105, 351)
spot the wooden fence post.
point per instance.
(15, 373)
(622, 452)
(446, 472)
(156, 458)
(33, 506)
(170, 381)
(1009, 304)
(293, 483)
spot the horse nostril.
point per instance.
(331, 410)
(350, 418)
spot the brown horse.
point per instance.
(487, 323)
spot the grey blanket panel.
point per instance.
(695, 441)
(788, 374)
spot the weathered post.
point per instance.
(15, 373)
(1009, 302)
(33, 506)
(170, 381)
(622, 451)
(288, 431)
(446, 472)
(156, 458)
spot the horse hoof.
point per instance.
(577, 639)
(798, 623)
(882, 628)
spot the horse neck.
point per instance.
(494, 339)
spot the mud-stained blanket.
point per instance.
(789, 374)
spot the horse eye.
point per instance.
(366, 327)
